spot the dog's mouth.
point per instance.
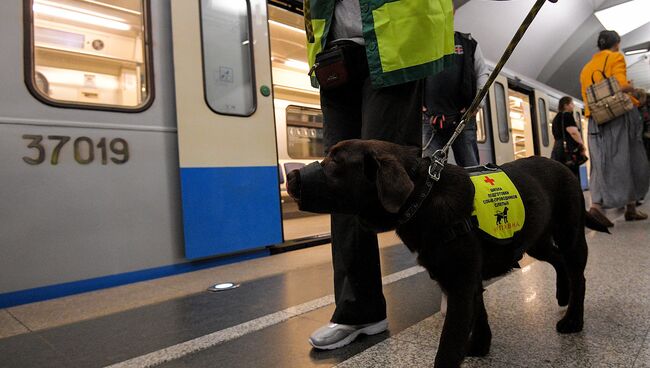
(308, 186)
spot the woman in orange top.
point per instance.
(620, 174)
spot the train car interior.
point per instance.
(90, 52)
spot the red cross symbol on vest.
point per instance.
(489, 180)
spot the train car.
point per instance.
(146, 138)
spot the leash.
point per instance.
(439, 157)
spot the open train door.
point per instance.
(226, 134)
(500, 118)
(543, 132)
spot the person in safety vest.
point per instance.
(446, 97)
(368, 57)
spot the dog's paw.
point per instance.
(478, 350)
(479, 345)
(562, 296)
(569, 325)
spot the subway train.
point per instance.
(146, 138)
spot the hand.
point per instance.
(583, 149)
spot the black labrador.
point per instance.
(377, 180)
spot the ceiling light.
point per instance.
(637, 51)
(625, 17)
(79, 17)
(286, 26)
(114, 7)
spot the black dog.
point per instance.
(377, 180)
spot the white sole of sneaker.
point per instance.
(370, 330)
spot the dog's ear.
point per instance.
(393, 183)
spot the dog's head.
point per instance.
(356, 177)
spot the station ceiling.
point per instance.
(561, 40)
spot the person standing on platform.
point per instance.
(620, 174)
(369, 59)
(446, 97)
(565, 129)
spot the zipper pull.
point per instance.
(313, 68)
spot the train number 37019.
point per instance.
(83, 147)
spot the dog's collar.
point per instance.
(412, 206)
(416, 199)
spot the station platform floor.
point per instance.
(175, 322)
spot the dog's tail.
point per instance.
(592, 223)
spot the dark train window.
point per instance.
(305, 132)
(89, 54)
(228, 75)
(541, 105)
(502, 112)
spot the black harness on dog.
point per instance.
(453, 231)
(458, 228)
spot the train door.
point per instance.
(545, 139)
(226, 130)
(521, 123)
(500, 119)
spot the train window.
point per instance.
(541, 105)
(89, 54)
(480, 125)
(228, 57)
(305, 132)
(289, 57)
(502, 112)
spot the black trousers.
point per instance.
(357, 110)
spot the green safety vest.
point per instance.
(405, 40)
(497, 204)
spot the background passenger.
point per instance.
(619, 169)
(446, 97)
(565, 128)
(372, 104)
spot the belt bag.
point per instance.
(330, 68)
(605, 99)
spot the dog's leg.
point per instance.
(457, 327)
(575, 259)
(545, 251)
(481, 338)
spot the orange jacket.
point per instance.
(615, 67)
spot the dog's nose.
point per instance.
(293, 184)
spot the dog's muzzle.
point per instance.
(314, 193)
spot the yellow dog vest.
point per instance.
(497, 204)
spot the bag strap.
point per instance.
(602, 72)
(564, 142)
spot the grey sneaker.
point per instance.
(334, 335)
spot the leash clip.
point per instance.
(439, 159)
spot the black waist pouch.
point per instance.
(330, 68)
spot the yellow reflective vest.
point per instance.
(497, 204)
(405, 40)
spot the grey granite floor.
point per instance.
(522, 312)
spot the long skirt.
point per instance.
(620, 172)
